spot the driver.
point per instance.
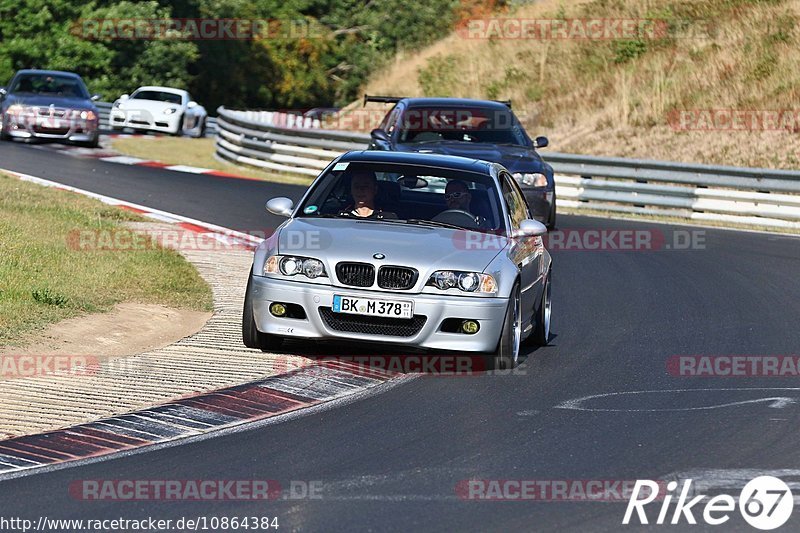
(363, 189)
(458, 197)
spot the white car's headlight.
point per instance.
(291, 266)
(464, 281)
(532, 180)
(116, 104)
(170, 110)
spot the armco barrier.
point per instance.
(104, 109)
(758, 196)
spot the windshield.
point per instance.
(50, 85)
(406, 194)
(476, 125)
(157, 96)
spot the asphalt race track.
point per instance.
(393, 460)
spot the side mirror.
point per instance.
(380, 135)
(124, 97)
(191, 104)
(95, 98)
(530, 228)
(280, 206)
(541, 142)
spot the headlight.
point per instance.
(532, 180)
(15, 109)
(170, 110)
(85, 115)
(291, 266)
(464, 281)
(116, 104)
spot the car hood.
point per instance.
(514, 158)
(37, 100)
(152, 106)
(425, 248)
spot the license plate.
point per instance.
(51, 124)
(373, 307)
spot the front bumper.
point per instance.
(144, 121)
(489, 312)
(74, 130)
(541, 202)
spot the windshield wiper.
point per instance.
(421, 222)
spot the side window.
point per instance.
(390, 120)
(517, 208)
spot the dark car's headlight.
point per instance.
(290, 265)
(84, 114)
(464, 281)
(534, 179)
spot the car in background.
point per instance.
(417, 272)
(159, 109)
(480, 129)
(49, 104)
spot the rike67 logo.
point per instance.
(765, 503)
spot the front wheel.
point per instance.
(551, 221)
(251, 337)
(541, 335)
(179, 130)
(506, 355)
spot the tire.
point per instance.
(179, 131)
(506, 355)
(3, 135)
(202, 131)
(251, 337)
(94, 143)
(541, 334)
(551, 222)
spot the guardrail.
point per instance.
(104, 109)
(725, 194)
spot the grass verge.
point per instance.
(44, 279)
(195, 153)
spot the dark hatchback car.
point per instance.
(49, 104)
(477, 129)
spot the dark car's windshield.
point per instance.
(157, 96)
(49, 85)
(410, 194)
(477, 125)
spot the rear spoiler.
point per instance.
(382, 99)
(395, 99)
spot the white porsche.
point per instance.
(160, 109)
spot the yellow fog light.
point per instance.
(470, 327)
(277, 309)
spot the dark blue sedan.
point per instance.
(49, 104)
(478, 129)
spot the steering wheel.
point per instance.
(457, 217)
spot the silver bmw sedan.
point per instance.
(418, 250)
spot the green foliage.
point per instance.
(625, 51)
(439, 72)
(326, 51)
